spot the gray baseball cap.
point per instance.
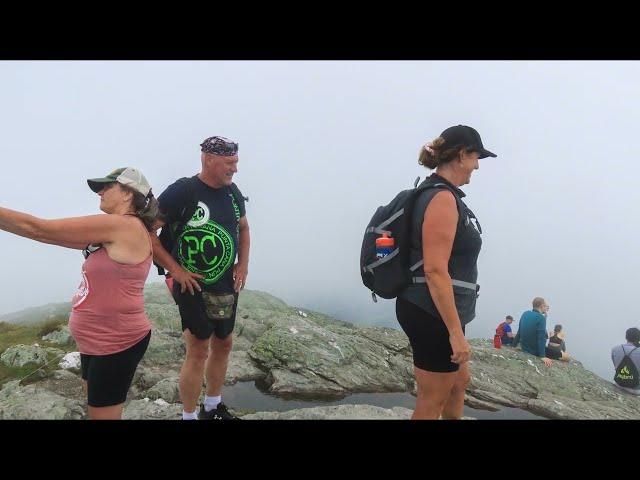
(125, 176)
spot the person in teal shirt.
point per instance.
(532, 330)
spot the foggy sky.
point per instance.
(322, 144)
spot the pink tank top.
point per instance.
(107, 314)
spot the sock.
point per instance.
(190, 416)
(211, 402)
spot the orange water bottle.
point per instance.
(384, 245)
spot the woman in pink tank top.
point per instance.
(107, 319)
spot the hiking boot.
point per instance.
(221, 412)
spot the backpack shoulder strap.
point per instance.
(168, 231)
(464, 215)
(440, 185)
(192, 203)
(237, 194)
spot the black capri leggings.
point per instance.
(109, 376)
(428, 336)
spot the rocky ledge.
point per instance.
(296, 353)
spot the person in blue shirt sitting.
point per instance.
(505, 332)
(532, 330)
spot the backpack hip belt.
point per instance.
(457, 283)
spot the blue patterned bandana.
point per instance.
(219, 146)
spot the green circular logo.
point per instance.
(207, 250)
(200, 216)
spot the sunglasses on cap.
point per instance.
(470, 216)
(89, 249)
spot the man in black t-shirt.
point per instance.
(207, 280)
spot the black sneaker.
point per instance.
(221, 412)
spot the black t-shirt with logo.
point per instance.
(208, 243)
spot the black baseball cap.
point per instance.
(467, 136)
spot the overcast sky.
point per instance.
(322, 144)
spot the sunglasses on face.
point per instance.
(107, 186)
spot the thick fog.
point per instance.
(322, 144)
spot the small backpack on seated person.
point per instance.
(627, 373)
(388, 276)
(497, 338)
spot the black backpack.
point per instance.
(388, 276)
(167, 235)
(627, 372)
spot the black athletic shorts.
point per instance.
(109, 376)
(428, 336)
(553, 353)
(206, 313)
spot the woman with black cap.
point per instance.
(445, 241)
(107, 319)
